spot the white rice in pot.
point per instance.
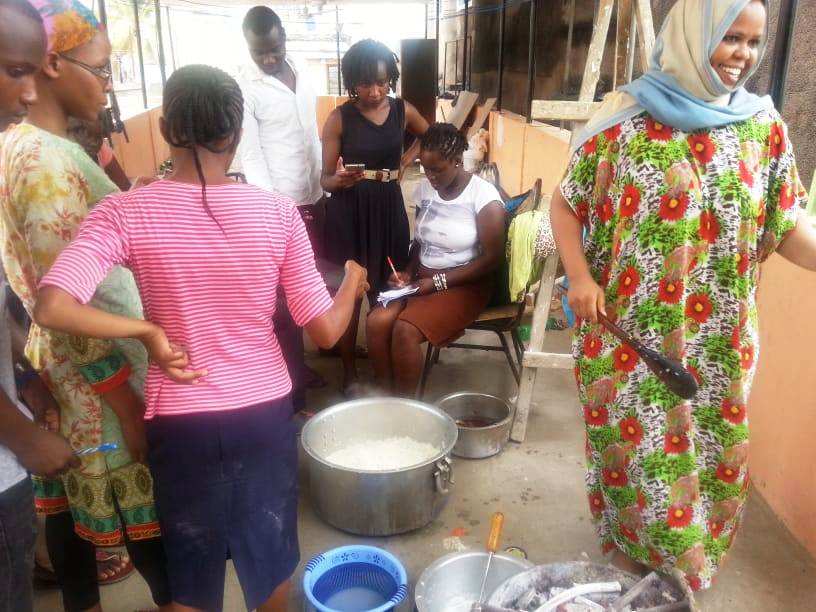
(383, 455)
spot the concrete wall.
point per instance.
(782, 406)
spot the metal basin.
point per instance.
(452, 583)
(484, 423)
(564, 575)
(384, 502)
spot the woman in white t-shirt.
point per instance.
(458, 245)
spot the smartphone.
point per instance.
(355, 167)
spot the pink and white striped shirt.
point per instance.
(212, 292)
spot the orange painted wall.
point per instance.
(524, 152)
(138, 156)
(782, 407)
(545, 156)
(324, 106)
(506, 149)
(147, 149)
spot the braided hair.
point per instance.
(360, 63)
(445, 138)
(203, 107)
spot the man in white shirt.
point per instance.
(280, 151)
(280, 148)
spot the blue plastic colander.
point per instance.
(355, 579)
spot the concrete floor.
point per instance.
(539, 486)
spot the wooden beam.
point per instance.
(465, 102)
(541, 314)
(631, 50)
(482, 113)
(592, 70)
(623, 34)
(559, 361)
(646, 33)
(523, 404)
(563, 110)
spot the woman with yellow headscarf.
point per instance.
(684, 182)
(47, 186)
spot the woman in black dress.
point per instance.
(365, 216)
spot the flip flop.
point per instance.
(45, 579)
(113, 563)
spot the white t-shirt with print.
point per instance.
(447, 230)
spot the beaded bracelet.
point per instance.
(440, 281)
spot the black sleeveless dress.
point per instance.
(367, 222)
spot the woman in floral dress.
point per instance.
(684, 183)
(47, 186)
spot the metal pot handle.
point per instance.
(443, 475)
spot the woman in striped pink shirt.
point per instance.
(208, 255)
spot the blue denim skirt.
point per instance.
(225, 486)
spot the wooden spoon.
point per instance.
(669, 371)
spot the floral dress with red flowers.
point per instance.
(676, 227)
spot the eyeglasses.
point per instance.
(103, 73)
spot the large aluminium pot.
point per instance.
(375, 503)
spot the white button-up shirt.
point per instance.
(280, 149)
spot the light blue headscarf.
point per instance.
(681, 88)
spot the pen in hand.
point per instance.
(103, 448)
(400, 283)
